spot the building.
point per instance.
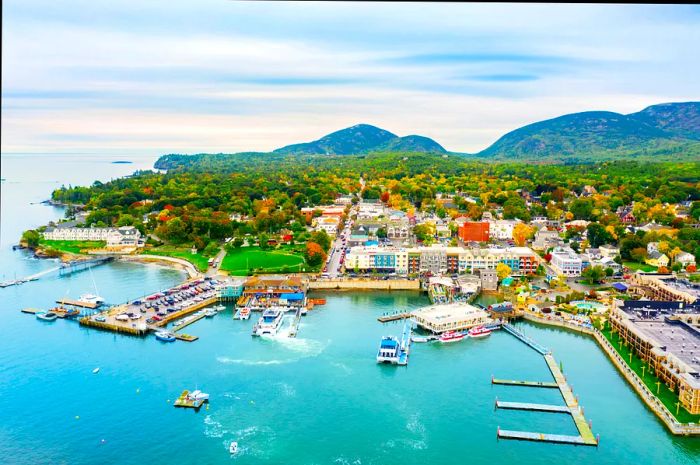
(566, 262)
(685, 259)
(666, 289)
(659, 334)
(625, 214)
(472, 231)
(124, 236)
(656, 258)
(330, 224)
(489, 280)
(450, 317)
(502, 229)
(610, 251)
(545, 239)
(323, 210)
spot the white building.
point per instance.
(502, 229)
(329, 224)
(123, 236)
(450, 317)
(685, 259)
(566, 262)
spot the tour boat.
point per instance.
(244, 314)
(233, 447)
(451, 336)
(388, 350)
(46, 316)
(165, 336)
(269, 323)
(479, 331)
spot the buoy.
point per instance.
(103, 441)
(77, 417)
(168, 401)
(138, 390)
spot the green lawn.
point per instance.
(74, 247)
(198, 260)
(668, 397)
(634, 266)
(237, 262)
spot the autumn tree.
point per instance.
(521, 233)
(314, 254)
(503, 271)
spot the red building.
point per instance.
(474, 231)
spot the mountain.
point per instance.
(666, 129)
(363, 138)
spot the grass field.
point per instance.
(75, 247)
(238, 262)
(665, 395)
(198, 260)
(634, 266)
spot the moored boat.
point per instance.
(479, 331)
(46, 316)
(210, 313)
(165, 336)
(269, 323)
(451, 336)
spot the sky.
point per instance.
(137, 77)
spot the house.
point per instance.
(625, 214)
(329, 224)
(608, 250)
(685, 259)
(657, 259)
(607, 262)
(545, 239)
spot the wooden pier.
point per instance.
(31, 311)
(393, 317)
(78, 303)
(532, 407)
(511, 382)
(542, 437)
(185, 323)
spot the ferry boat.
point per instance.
(479, 331)
(46, 316)
(451, 336)
(244, 313)
(269, 323)
(165, 336)
(389, 349)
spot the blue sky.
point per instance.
(220, 76)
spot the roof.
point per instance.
(620, 287)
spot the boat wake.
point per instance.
(239, 361)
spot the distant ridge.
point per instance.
(657, 130)
(363, 138)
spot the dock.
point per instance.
(530, 342)
(185, 401)
(512, 382)
(188, 321)
(532, 407)
(78, 303)
(394, 317)
(542, 437)
(31, 311)
(295, 324)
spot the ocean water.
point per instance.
(316, 399)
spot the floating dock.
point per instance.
(393, 317)
(78, 303)
(511, 382)
(541, 437)
(532, 407)
(187, 402)
(188, 321)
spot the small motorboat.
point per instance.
(46, 316)
(422, 338)
(165, 336)
(96, 370)
(198, 395)
(233, 447)
(210, 313)
(219, 308)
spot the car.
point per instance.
(156, 318)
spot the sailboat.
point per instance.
(89, 298)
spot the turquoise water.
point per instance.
(317, 399)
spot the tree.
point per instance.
(503, 271)
(582, 209)
(521, 233)
(381, 233)
(237, 242)
(598, 235)
(638, 254)
(314, 254)
(31, 238)
(594, 274)
(322, 239)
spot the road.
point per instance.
(337, 248)
(214, 270)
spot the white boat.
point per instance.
(96, 370)
(46, 316)
(389, 349)
(452, 336)
(210, 313)
(199, 395)
(269, 323)
(233, 447)
(165, 336)
(122, 317)
(91, 299)
(219, 308)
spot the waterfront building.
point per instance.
(450, 317)
(666, 288)
(659, 333)
(566, 262)
(124, 236)
(472, 231)
(489, 279)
